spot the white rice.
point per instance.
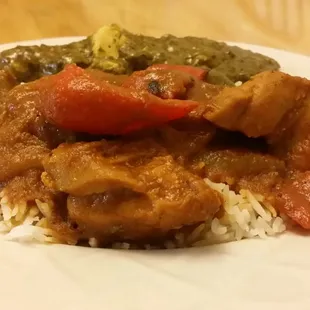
(246, 215)
(23, 222)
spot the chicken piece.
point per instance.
(186, 138)
(291, 139)
(125, 190)
(229, 165)
(7, 82)
(203, 93)
(257, 107)
(25, 137)
(274, 105)
(86, 168)
(21, 110)
(27, 187)
(173, 198)
(264, 184)
(242, 169)
(20, 151)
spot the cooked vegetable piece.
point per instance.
(294, 199)
(76, 100)
(162, 83)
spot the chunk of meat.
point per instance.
(27, 187)
(87, 168)
(293, 199)
(291, 138)
(182, 139)
(186, 137)
(25, 137)
(242, 169)
(51, 135)
(21, 103)
(274, 105)
(229, 165)
(202, 93)
(264, 184)
(76, 100)
(7, 82)
(173, 198)
(125, 189)
(20, 151)
(22, 114)
(256, 107)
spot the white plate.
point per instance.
(251, 274)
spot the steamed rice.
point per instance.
(246, 215)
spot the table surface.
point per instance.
(277, 23)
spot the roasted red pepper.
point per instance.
(294, 199)
(165, 84)
(196, 72)
(76, 100)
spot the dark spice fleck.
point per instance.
(154, 88)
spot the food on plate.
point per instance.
(285, 126)
(293, 198)
(61, 96)
(155, 158)
(131, 191)
(115, 50)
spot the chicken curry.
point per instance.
(125, 157)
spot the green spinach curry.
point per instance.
(113, 49)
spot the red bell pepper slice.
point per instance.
(293, 199)
(196, 72)
(76, 100)
(161, 83)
